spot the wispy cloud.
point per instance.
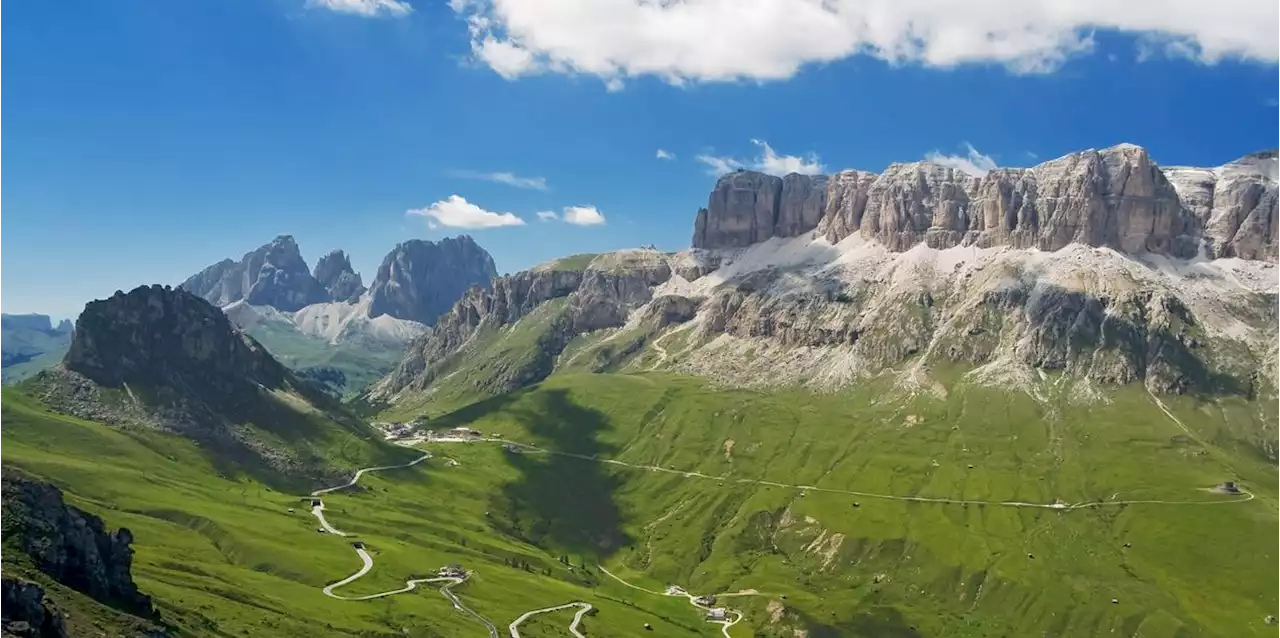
(547, 215)
(582, 216)
(973, 162)
(666, 155)
(769, 161)
(457, 212)
(365, 8)
(510, 179)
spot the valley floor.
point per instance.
(970, 515)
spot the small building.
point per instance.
(464, 432)
(1230, 486)
(717, 614)
(705, 601)
(358, 545)
(513, 449)
(452, 570)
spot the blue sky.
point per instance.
(148, 139)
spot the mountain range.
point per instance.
(31, 343)
(325, 322)
(1099, 268)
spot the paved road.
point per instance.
(366, 559)
(583, 608)
(680, 592)
(890, 497)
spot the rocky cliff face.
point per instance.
(273, 275)
(746, 207)
(601, 295)
(69, 545)
(335, 274)
(420, 280)
(1116, 198)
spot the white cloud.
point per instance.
(582, 216)
(665, 154)
(723, 40)
(547, 215)
(456, 212)
(768, 162)
(719, 165)
(973, 163)
(366, 8)
(510, 179)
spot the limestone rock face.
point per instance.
(420, 280)
(334, 272)
(273, 275)
(1117, 198)
(747, 207)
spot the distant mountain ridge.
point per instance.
(324, 322)
(30, 343)
(1092, 271)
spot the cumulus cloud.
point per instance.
(664, 154)
(510, 179)
(582, 216)
(973, 162)
(547, 215)
(365, 8)
(457, 212)
(725, 40)
(769, 161)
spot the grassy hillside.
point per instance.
(223, 556)
(885, 566)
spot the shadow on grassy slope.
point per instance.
(559, 502)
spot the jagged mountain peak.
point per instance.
(339, 279)
(274, 274)
(419, 280)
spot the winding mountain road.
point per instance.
(317, 510)
(680, 592)
(573, 627)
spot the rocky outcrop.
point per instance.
(747, 207)
(273, 275)
(420, 280)
(156, 335)
(1235, 204)
(27, 612)
(69, 545)
(164, 359)
(335, 274)
(669, 310)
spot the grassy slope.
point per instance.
(225, 553)
(224, 556)
(948, 570)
